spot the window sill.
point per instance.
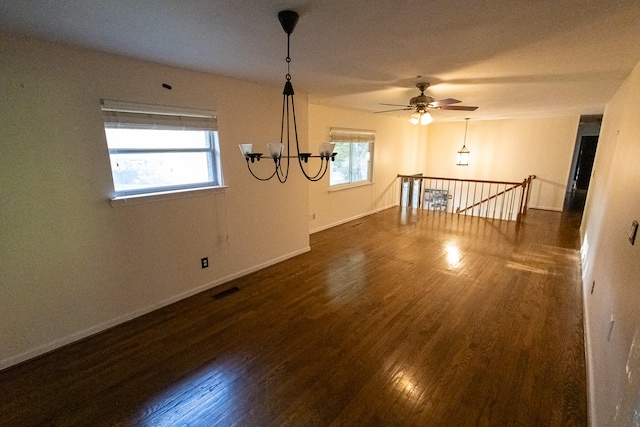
(348, 186)
(117, 202)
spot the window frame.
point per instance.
(353, 136)
(127, 115)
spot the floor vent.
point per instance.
(226, 292)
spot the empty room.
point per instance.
(363, 213)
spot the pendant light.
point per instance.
(288, 130)
(463, 154)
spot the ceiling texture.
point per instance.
(511, 58)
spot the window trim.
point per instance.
(350, 136)
(129, 115)
(138, 199)
(346, 186)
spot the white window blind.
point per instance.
(351, 135)
(118, 114)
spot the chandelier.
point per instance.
(288, 129)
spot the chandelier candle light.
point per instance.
(288, 19)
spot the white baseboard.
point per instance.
(345, 220)
(587, 350)
(546, 208)
(55, 344)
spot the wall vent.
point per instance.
(226, 293)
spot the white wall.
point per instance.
(70, 264)
(508, 150)
(502, 150)
(610, 261)
(400, 147)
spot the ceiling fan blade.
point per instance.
(398, 109)
(443, 102)
(396, 105)
(458, 107)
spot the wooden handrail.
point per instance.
(489, 198)
(461, 180)
(524, 198)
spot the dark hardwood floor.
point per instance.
(396, 319)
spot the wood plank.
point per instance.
(400, 318)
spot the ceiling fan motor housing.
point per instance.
(421, 100)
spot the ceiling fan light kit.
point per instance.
(289, 129)
(421, 118)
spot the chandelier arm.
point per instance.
(318, 175)
(321, 171)
(283, 175)
(257, 177)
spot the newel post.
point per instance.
(526, 192)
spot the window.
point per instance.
(160, 149)
(354, 158)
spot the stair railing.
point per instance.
(502, 200)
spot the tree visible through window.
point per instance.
(354, 156)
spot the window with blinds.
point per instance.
(354, 158)
(155, 149)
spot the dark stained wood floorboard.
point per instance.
(402, 318)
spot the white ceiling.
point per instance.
(510, 58)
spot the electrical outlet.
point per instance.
(205, 262)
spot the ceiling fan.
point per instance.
(423, 103)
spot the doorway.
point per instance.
(586, 156)
(582, 164)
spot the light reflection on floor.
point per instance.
(405, 384)
(453, 255)
(350, 272)
(208, 391)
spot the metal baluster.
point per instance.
(475, 189)
(448, 192)
(511, 204)
(456, 195)
(502, 205)
(495, 200)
